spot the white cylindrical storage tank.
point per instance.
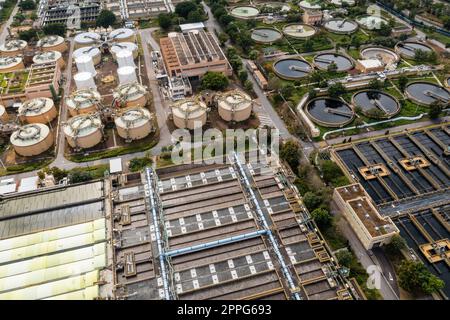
(123, 35)
(85, 64)
(234, 105)
(130, 95)
(52, 43)
(3, 114)
(125, 58)
(127, 75)
(93, 52)
(49, 56)
(189, 113)
(83, 131)
(130, 46)
(38, 110)
(134, 123)
(86, 39)
(83, 101)
(8, 64)
(31, 139)
(12, 48)
(84, 80)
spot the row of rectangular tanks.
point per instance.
(191, 113)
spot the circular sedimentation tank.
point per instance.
(339, 3)
(48, 57)
(371, 22)
(189, 113)
(131, 95)
(93, 52)
(38, 110)
(244, 12)
(266, 35)
(284, 7)
(341, 26)
(234, 105)
(123, 35)
(12, 47)
(118, 46)
(324, 60)
(32, 139)
(292, 68)
(407, 49)
(387, 56)
(8, 64)
(86, 39)
(84, 131)
(83, 101)
(52, 43)
(310, 5)
(3, 114)
(426, 93)
(134, 123)
(370, 100)
(299, 30)
(329, 112)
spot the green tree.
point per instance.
(345, 258)
(184, 8)
(414, 276)
(27, 5)
(253, 55)
(308, 46)
(77, 176)
(336, 90)
(105, 19)
(223, 38)
(214, 81)
(28, 35)
(312, 200)
(248, 85)
(435, 110)
(375, 84)
(322, 217)
(195, 16)
(164, 21)
(287, 90)
(243, 75)
(402, 81)
(55, 28)
(291, 153)
(397, 244)
(332, 67)
(330, 171)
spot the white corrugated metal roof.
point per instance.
(115, 165)
(191, 26)
(28, 184)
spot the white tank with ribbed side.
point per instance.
(125, 58)
(117, 46)
(84, 80)
(85, 64)
(127, 75)
(93, 52)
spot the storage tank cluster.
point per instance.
(32, 139)
(130, 95)
(8, 64)
(86, 39)
(122, 35)
(52, 43)
(38, 110)
(189, 113)
(49, 56)
(13, 47)
(93, 52)
(83, 131)
(83, 101)
(134, 123)
(234, 105)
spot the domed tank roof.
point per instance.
(50, 41)
(13, 45)
(234, 100)
(47, 56)
(89, 51)
(29, 135)
(82, 125)
(129, 91)
(35, 107)
(117, 46)
(133, 118)
(83, 98)
(8, 62)
(189, 108)
(87, 38)
(121, 33)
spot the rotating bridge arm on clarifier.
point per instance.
(323, 60)
(377, 103)
(342, 23)
(436, 96)
(297, 68)
(261, 34)
(339, 112)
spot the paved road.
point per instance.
(4, 30)
(387, 268)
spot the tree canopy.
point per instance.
(184, 8)
(105, 19)
(214, 81)
(414, 276)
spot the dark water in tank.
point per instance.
(284, 67)
(318, 109)
(409, 48)
(419, 89)
(323, 61)
(366, 101)
(341, 25)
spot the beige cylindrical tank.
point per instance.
(93, 52)
(86, 39)
(84, 131)
(189, 113)
(234, 105)
(31, 139)
(134, 123)
(49, 56)
(38, 110)
(123, 35)
(52, 43)
(130, 95)
(83, 101)
(117, 46)
(3, 114)
(12, 48)
(8, 64)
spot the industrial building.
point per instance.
(139, 9)
(371, 228)
(69, 12)
(192, 54)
